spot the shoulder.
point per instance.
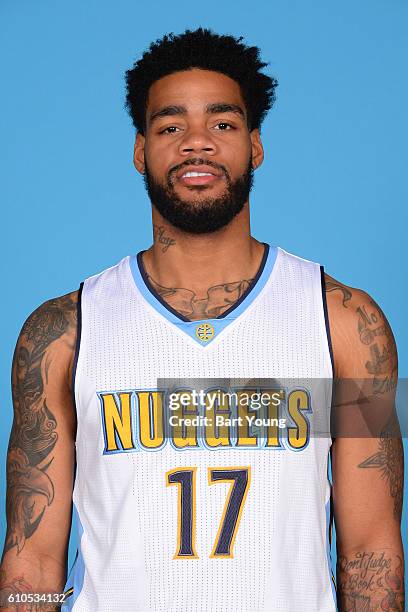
(363, 342)
(345, 303)
(49, 333)
(51, 320)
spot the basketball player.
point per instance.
(220, 515)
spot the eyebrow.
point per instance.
(222, 107)
(217, 107)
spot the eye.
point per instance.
(223, 125)
(169, 130)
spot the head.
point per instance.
(197, 101)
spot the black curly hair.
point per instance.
(207, 50)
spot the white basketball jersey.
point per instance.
(229, 514)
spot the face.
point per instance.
(197, 155)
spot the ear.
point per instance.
(257, 149)
(138, 153)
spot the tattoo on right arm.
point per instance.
(33, 436)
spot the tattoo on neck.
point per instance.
(160, 237)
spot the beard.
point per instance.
(199, 215)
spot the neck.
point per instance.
(200, 261)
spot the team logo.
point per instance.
(205, 332)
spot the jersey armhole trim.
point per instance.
(326, 319)
(77, 342)
(329, 343)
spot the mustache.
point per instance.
(196, 161)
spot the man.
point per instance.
(218, 514)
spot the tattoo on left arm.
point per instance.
(390, 460)
(373, 580)
(375, 332)
(333, 286)
(370, 580)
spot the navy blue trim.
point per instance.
(329, 342)
(75, 362)
(78, 341)
(252, 285)
(158, 297)
(328, 552)
(139, 259)
(326, 318)
(331, 522)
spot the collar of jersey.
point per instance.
(218, 323)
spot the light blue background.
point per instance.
(332, 187)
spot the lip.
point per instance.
(198, 180)
(203, 168)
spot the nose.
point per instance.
(196, 140)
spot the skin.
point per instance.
(230, 255)
(367, 471)
(40, 460)
(201, 276)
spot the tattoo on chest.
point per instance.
(219, 298)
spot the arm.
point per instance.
(367, 471)
(40, 458)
